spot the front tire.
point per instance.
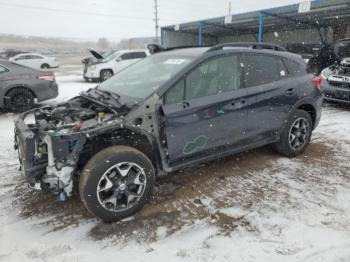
(116, 183)
(296, 135)
(105, 75)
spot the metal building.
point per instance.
(310, 22)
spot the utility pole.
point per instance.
(229, 8)
(156, 20)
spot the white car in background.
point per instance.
(35, 60)
(104, 67)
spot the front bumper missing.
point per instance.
(53, 170)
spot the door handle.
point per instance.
(185, 104)
(290, 91)
(235, 102)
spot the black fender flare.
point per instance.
(303, 102)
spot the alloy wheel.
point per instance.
(299, 133)
(20, 101)
(106, 75)
(121, 186)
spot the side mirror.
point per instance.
(119, 59)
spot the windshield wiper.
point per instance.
(115, 96)
(97, 101)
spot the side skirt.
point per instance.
(230, 151)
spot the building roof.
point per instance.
(323, 13)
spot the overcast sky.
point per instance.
(114, 19)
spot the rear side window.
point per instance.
(138, 55)
(261, 69)
(3, 70)
(292, 66)
(133, 55)
(127, 56)
(282, 69)
(34, 57)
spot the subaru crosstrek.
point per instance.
(169, 111)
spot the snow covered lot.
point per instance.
(256, 206)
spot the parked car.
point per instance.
(336, 84)
(329, 54)
(104, 67)
(172, 110)
(97, 56)
(21, 86)
(35, 60)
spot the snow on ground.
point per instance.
(257, 206)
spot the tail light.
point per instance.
(317, 81)
(47, 78)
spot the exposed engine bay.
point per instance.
(338, 73)
(51, 140)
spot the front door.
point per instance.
(205, 112)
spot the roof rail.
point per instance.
(251, 45)
(155, 48)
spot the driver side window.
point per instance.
(176, 94)
(216, 76)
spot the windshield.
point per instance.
(143, 78)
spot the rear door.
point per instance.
(205, 111)
(271, 94)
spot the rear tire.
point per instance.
(105, 74)
(19, 100)
(116, 183)
(296, 134)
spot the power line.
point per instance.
(168, 10)
(36, 8)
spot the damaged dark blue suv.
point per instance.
(174, 109)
